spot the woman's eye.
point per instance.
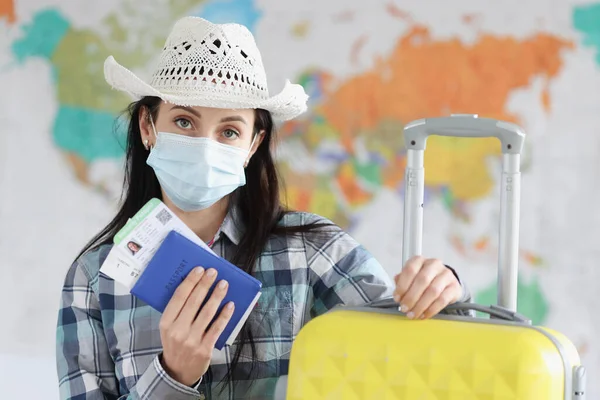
(183, 123)
(230, 133)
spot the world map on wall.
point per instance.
(352, 134)
(352, 129)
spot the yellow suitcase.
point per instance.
(375, 352)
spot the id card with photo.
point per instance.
(137, 242)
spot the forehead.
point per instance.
(208, 113)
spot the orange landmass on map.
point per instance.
(395, 172)
(349, 186)
(7, 9)
(425, 78)
(422, 77)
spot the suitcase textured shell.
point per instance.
(380, 354)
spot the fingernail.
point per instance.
(199, 271)
(222, 284)
(211, 272)
(410, 315)
(229, 306)
(403, 308)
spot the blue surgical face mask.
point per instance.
(196, 172)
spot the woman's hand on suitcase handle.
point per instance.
(187, 343)
(425, 287)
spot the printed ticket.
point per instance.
(137, 242)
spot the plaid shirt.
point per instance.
(108, 341)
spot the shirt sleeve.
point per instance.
(84, 365)
(345, 273)
(466, 293)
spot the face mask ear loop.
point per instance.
(153, 127)
(251, 145)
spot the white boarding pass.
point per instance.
(137, 242)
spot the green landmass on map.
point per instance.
(586, 19)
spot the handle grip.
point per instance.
(510, 135)
(495, 312)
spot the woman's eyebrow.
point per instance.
(188, 109)
(234, 118)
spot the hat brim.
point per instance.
(284, 106)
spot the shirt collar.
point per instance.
(232, 226)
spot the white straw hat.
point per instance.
(210, 65)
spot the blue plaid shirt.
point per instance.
(108, 341)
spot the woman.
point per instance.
(200, 139)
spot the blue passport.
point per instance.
(174, 260)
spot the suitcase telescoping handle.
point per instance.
(466, 125)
